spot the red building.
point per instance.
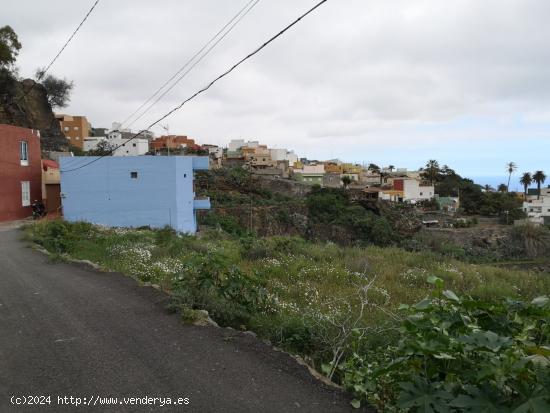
(20, 171)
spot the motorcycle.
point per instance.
(38, 210)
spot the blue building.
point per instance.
(132, 191)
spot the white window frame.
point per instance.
(24, 153)
(25, 193)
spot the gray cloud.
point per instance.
(356, 71)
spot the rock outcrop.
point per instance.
(24, 103)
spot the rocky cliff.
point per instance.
(24, 103)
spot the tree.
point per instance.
(510, 168)
(539, 177)
(346, 180)
(103, 148)
(9, 47)
(391, 168)
(373, 167)
(502, 188)
(58, 91)
(526, 180)
(488, 188)
(431, 171)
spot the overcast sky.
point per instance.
(466, 82)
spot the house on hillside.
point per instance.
(123, 147)
(75, 128)
(20, 171)
(413, 190)
(537, 206)
(312, 174)
(155, 191)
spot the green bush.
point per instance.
(211, 283)
(460, 354)
(227, 223)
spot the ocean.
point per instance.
(495, 181)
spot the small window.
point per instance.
(421, 194)
(24, 153)
(25, 193)
(66, 129)
(185, 176)
(77, 138)
(76, 128)
(134, 145)
(133, 175)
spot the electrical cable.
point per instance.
(204, 89)
(190, 60)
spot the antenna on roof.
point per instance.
(167, 130)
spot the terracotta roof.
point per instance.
(47, 163)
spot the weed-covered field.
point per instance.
(351, 311)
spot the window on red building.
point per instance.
(24, 153)
(25, 193)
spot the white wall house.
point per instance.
(136, 147)
(538, 208)
(413, 191)
(284, 155)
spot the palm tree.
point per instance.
(488, 188)
(431, 172)
(526, 180)
(391, 168)
(502, 188)
(510, 168)
(539, 178)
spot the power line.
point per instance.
(69, 40)
(204, 89)
(232, 22)
(42, 73)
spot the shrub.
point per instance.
(460, 354)
(534, 239)
(211, 283)
(227, 223)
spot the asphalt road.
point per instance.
(67, 330)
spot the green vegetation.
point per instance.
(350, 311)
(460, 354)
(473, 200)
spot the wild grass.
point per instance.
(310, 298)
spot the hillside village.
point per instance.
(146, 271)
(395, 185)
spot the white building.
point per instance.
(135, 147)
(538, 208)
(236, 144)
(414, 191)
(284, 155)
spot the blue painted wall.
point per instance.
(105, 193)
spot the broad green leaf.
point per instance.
(538, 360)
(537, 402)
(326, 368)
(487, 339)
(444, 356)
(356, 403)
(423, 397)
(540, 301)
(424, 304)
(451, 296)
(478, 403)
(438, 282)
